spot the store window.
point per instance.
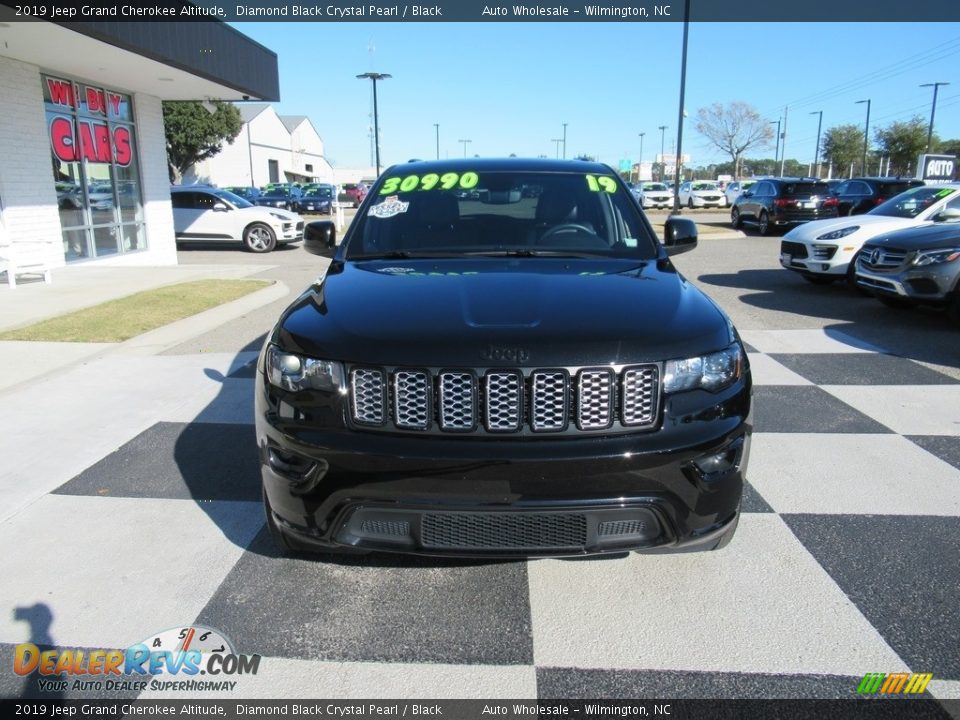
(95, 169)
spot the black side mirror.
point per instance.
(320, 238)
(679, 235)
(746, 193)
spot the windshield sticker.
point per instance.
(604, 183)
(430, 181)
(944, 192)
(388, 208)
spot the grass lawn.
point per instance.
(127, 317)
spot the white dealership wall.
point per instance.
(29, 199)
(292, 142)
(29, 213)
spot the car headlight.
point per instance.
(278, 216)
(295, 372)
(935, 257)
(710, 372)
(841, 233)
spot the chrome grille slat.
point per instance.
(594, 399)
(471, 401)
(458, 401)
(640, 395)
(411, 399)
(548, 402)
(504, 401)
(368, 396)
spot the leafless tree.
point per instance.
(734, 129)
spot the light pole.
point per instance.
(933, 109)
(557, 141)
(465, 143)
(640, 163)
(866, 133)
(816, 156)
(680, 111)
(776, 152)
(564, 141)
(663, 165)
(437, 127)
(376, 121)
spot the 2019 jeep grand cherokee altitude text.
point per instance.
(516, 370)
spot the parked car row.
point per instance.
(313, 198)
(905, 251)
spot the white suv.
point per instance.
(207, 214)
(823, 251)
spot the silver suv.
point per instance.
(919, 265)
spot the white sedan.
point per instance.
(654, 194)
(825, 250)
(702, 194)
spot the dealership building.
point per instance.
(83, 164)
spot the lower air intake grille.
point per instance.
(621, 527)
(504, 531)
(385, 527)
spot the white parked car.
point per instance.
(207, 214)
(734, 188)
(698, 193)
(655, 195)
(825, 250)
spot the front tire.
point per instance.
(735, 221)
(690, 203)
(259, 238)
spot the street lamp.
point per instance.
(564, 141)
(437, 126)
(465, 143)
(376, 122)
(866, 133)
(816, 155)
(640, 163)
(663, 165)
(933, 110)
(681, 112)
(776, 152)
(557, 141)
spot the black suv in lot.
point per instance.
(782, 203)
(862, 194)
(502, 374)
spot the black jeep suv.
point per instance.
(490, 373)
(783, 202)
(862, 194)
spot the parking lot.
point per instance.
(845, 561)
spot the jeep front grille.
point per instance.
(477, 401)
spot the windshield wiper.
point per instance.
(405, 255)
(536, 253)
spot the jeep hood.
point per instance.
(463, 312)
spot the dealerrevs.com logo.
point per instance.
(191, 659)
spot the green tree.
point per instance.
(903, 142)
(195, 134)
(842, 145)
(949, 147)
(733, 129)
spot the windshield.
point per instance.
(233, 198)
(912, 202)
(319, 193)
(705, 186)
(464, 212)
(655, 186)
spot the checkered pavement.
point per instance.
(134, 507)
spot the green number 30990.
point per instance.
(430, 181)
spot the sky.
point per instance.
(510, 87)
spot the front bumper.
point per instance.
(927, 285)
(816, 258)
(703, 202)
(502, 497)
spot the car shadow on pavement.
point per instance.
(217, 462)
(923, 334)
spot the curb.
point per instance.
(163, 338)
